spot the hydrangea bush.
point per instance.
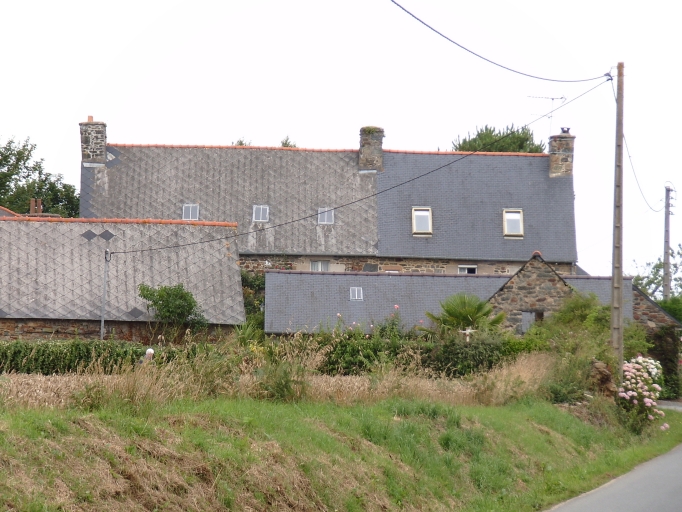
(642, 381)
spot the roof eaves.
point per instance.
(120, 221)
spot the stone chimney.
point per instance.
(93, 141)
(371, 156)
(561, 154)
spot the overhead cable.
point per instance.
(493, 62)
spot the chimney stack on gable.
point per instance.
(93, 141)
(561, 154)
(371, 157)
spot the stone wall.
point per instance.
(258, 263)
(535, 288)
(33, 329)
(648, 313)
(561, 149)
(371, 155)
(93, 142)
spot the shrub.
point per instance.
(453, 356)
(666, 349)
(173, 306)
(673, 306)
(253, 289)
(638, 394)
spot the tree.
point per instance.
(287, 143)
(650, 278)
(23, 178)
(509, 140)
(463, 311)
(173, 306)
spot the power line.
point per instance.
(493, 62)
(632, 166)
(362, 198)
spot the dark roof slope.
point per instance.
(53, 268)
(226, 182)
(301, 301)
(467, 199)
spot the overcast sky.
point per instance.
(199, 72)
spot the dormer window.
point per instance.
(421, 221)
(325, 216)
(261, 213)
(190, 212)
(513, 223)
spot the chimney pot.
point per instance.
(371, 155)
(89, 119)
(561, 154)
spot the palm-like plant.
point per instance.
(463, 311)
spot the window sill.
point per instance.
(513, 237)
(422, 235)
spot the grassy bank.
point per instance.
(242, 454)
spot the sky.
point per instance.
(200, 72)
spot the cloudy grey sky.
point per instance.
(200, 72)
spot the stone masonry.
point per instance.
(259, 263)
(371, 156)
(535, 288)
(93, 141)
(561, 154)
(648, 313)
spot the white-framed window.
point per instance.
(190, 212)
(513, 222)
(467, 269)
(319, 266)
(325, 216)
(261, 213)
(356, 293)
(421, 221)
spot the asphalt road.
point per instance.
(655, 486)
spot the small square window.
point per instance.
(421, 221)
(325, 216)
(190, 212)
(356, 293)
(513, 223)
(467, 269)
(319, 266)
(261, 213)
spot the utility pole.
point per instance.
(617, 260)
(666, 247)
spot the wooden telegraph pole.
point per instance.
(666, 247)
(617, 260)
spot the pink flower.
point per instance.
(338, 314)
(650, 417)
(634, 402)
(396, 306)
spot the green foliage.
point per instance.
(241, 141)
(673, 306)
(23, 178)
(463, 311)
(282, 381)
(286, 143)
(649, 278)
(50, 357)
(509, 140)
(666, 350)
(173, 306)
(253, 290)
(453, 356)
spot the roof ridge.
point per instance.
(471, 153)
(120, 221)
(207, 146)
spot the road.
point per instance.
(654, 486)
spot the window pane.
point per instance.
(513, 220)
(355, 293)
(325, 216)
(315, 266)
(260, 213)
(422, 221)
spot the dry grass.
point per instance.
(204, 377)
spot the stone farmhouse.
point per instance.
(306, 301)
(52, 273)
(367, 209)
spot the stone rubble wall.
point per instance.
(93, 142)
(651, 316)
(536, 288)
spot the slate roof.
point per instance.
(601, 287)
(468, 198)
(301, 301)
(6, 212)
(53, 268)
(226, 182)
